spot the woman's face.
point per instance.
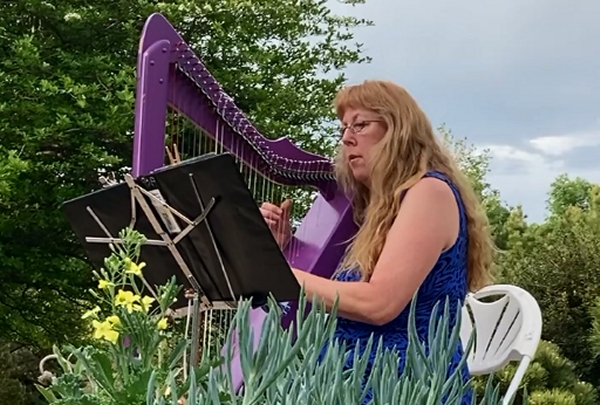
(360, 130)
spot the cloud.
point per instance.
(509, 70)
(524, 177)
(560, 145)
(511, 153)
(509, 160)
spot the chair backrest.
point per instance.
(508, 325)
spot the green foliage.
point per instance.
(133, 347)
(550, 379)
(67, 69)
(558, 263)
(126, 364)
(565, 193)
(11, 166)
(18, 372)
(594, 338)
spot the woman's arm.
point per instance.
(426, 225)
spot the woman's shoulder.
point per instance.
(433, 186)
(439, 184)
(430, 175)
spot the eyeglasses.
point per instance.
(356, 127)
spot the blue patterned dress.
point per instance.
(448, 278)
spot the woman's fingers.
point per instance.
(273, 215)
(271, 223)
(268, 214)
(271, 211)
(271, 207)
(286, 208)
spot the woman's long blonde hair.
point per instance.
(408, 150)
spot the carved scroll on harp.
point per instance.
(178, 99)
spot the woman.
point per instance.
(421, 225)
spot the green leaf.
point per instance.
(47, 393)
(177, 354)
(104, 367)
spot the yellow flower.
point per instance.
(127, 299)
(105, 330)
(146, 302)
(91, 313)
(162, 324)
(102, 284)
(113, 320)
(133, 268)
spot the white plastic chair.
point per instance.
(506, 329)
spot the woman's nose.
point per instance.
(348, 138)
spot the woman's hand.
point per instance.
(278, 219)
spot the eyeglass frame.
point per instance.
(351, 127)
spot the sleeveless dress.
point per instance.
(448, 278)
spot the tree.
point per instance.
(565, 193)
(558, 262)
(66, 112)
(18, 372)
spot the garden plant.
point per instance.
(137, 357)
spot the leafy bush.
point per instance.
(551, 380)
(134, 360)
(18, 368)
(558, 262)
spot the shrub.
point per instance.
(18, 368)
(558, 263)
(551, 380)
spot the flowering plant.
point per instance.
(136, 357)
(132, 341)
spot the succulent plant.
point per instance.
(139, 360)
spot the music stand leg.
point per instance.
(195, 346)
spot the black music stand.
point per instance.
(202, 225)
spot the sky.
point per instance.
(520, 78)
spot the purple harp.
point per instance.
(180, 104)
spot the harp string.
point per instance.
(186, 140)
